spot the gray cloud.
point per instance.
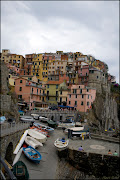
(91, 27)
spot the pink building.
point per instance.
(81, 97)
(63, 77)
(13, 69)
(30, 92)
(83, 74)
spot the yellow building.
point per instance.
(62, 93)
(37, 66)
(52, 89)
(12, 81)
(17, 60)
(5, 56)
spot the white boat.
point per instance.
(35, 116)
(44, 119)
(46, 128)
(37, 135)
(66, 125)
(61, 144)
(20, 142)
(27, 119)
(32, 142)
(75, 129)
(17, 156)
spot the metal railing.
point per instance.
(10, 128)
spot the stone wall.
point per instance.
(92, 163)
(55, 115)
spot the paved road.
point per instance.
(48, 165)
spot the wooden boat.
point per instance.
(61, 144)
(20, 171)
(52, 123)
(37, 135)
(27, 119)
(20, 142)
(17, 156)
(32, 154)
(42, 131)
(43, 127)
(32, 142)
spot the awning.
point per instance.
(65, 106)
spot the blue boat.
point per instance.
(32, 154)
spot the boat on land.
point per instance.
(27, 119)
(32, 142)
(17, 156)
(52, 123)
(43, 119)
(35, 116)
(67, 123)
(20, 142)
(75, 129)
(32, 154)
(37, 135)
(61, 144)
(20, 171)
(43, 127)
(42, 131)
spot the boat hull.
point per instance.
(32, 142)
(32, 154)
(37, 135)
(61, 145)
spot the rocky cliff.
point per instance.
(8, 106)
(104, 113)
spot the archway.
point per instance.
(9, 153)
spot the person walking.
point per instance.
(115, 153)
(109, 152)
(80, 148)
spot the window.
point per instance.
(88, 96)
(69, 102)
(14, 83)
(81, 91)
(19, 96)
(87, 103)
(32, 90)
(47, 93)
(97, 77)
(60, 99)
(75, 96)
(91, 97)
(60, 92)
(57, 86)
(37, 91)
(74, 91)
(31, 104)
(81, 102)
(20, 89)
(87, 90)
(70, 96)
(79, 87)
(75, 103)
(56, 93)
(47, 85)
(20, 81)
(82, 96)
(39, 63)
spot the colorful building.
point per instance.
(37, 66)
(30, 92)
(5, 55)
(62, 93)
(17, 60)
(52, 91)
(81, 97)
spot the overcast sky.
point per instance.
(90, 27)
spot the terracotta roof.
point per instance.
(54, 82)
